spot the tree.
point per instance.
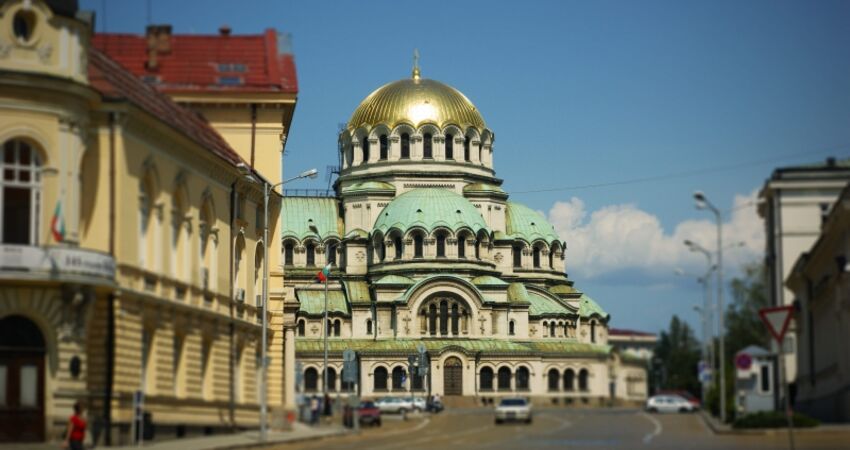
(743, 324)
(677, 354)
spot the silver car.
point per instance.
(513, 409)
(669, 404)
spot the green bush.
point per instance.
(773, 419)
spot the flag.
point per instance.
(323, 274)
(57, 224)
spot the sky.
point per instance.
(608, 115)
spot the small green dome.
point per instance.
(430, 208)
(527, 224)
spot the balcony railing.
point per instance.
(55, 263)
(309, 193)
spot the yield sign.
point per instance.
(777, 320)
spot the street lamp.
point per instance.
(267, 190)
(702, 202)
(705, 317)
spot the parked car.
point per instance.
(684, 394)
(419, 404)
(513, 409)
(669, 403)
(400, 405)
(434, 406)
(369, 414)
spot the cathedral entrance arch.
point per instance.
(453, 376)
(22, 352)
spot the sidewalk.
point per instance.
(247, 439)
(719, 428)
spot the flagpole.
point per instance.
(327, 331)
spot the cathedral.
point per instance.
(427, 252)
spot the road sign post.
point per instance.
(349, 376)
(777, 320)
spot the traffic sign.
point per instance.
(777, 320)
(349, 366)
(743, 361)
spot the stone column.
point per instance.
(289, 367)
(357, 157)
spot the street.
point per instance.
(565, 428)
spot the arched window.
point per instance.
(398, 379)
(478, 249)
(553, 379)
(365, 145)
(20, 193)
(455, 320)
(331, 379)
(536, 257)
(432, 319)
(427, 151)
(486, 383)
(259, 254)
(582, 380)
(241, 268)
(444, 318)
(461, 247)
(552, 258)
(332, 247)
(311, 380)
(337, 326)
(441, 245)
(347, 386)
(551, 329)
(511, 328)
(329, 328)
(450, 146)
(418, 244)
(398, 246)
(311, 254)
(593, 331)
(405, 146)
(288, 253)
(384, 150)
(517, 254)
(569, 380)
(522, 377)
(369, 326)
(504, 379)
(466, 149)
(301, 327)
(380, 383)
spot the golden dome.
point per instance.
(416, 101)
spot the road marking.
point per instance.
(648, 438)
(431, 438)
(422, 425)
(564, 423)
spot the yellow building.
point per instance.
(131, 257)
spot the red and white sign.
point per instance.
(777, 320)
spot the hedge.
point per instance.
(773, 419)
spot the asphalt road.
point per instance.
(564, 428)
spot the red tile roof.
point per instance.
(116, 83)
(624, 332)
(262, 62)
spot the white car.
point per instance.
(669, 403)
(400, 405)
(513, 409)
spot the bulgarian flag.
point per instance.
(324, 274)
(57, 223)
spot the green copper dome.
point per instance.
(429, 209)
(526, 224)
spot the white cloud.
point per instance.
(620, 238)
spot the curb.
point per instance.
(282, 441)
(716, 428)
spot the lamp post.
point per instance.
(267, 190)
(705, 318)
(704, 280)
(702, 202)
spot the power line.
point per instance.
(685, 174)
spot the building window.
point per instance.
(552, 259)
(332, 253)
(288, 253)
(461, 247)
(23, 25)
(593, 332)
(331, 387)
(517, 254)
(504, 379)
(455, 320)
(765, 378)
(337, 327)
(380, 383)
(432, 319)
(466, 149)
(311, 254)
(418, 244)
(478, 249)
(20, 193)
(311, 380)
(551, 329)
(397, 245)
(582, 380)
(444, 318)
(384, 148)
(450, 146)
(486, 379)
(553, 379)
(369, 326)
(427, 151)
(365, 145)
(569, 380)
(536, 257)
(398, 379)
(301, 327)
(522, 377)
(441, 245)
(511, 328)
(405, 146)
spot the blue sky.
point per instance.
(583, 93)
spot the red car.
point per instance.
(685, 394)
(369, 414)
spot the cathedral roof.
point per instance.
(588, 307)
(304, 217)
(312, 302)
(529, 225)
(542, 305)
(429, 209)
(405, 346)
(416, 101)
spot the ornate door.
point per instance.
(453, 377)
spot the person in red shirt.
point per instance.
(76, 429)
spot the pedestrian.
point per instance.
(76, 429)
(327, 405)
(314, 409)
